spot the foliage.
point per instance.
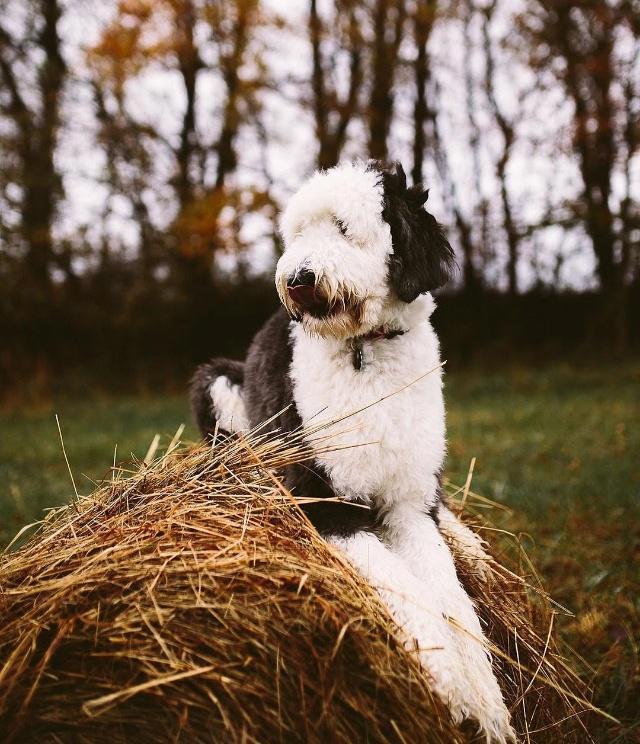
(184, 124)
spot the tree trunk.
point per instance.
(230, 65)
(318, 85)
(189, 63)
(424, 15)
(41, 182)
(588, 77)
(508, 136)
(470, 280)
(325, 98)
(385, 59)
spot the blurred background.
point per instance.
(147, 147)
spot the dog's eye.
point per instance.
(341, 226)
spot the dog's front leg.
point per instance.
(418, 613)
(414, 536)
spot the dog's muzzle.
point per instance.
(304, 292)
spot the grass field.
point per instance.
(560, 447)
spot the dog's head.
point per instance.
(359, 246)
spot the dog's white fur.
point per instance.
(387, 423)
(392, 469)
(353, 196)
(226, 399)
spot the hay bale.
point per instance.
(193, 601)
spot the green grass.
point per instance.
(560, 447)
(33, 472)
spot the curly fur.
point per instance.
(374, 254)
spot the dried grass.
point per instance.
(191, 600)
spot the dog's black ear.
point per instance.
(422, 259)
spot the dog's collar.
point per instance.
(355, 344)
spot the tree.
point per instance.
(368, 34)
(579, 40)
(179, 35)
(388, 22)
(508, 133)
(333, 113)
(422, 20)
(32, 107)
(470, 244)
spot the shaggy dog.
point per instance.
(353, 347)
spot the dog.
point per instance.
(353, 347)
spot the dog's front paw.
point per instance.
(494, 722)
(483, 702)
(469, 694)
(496, 725)
(454, 655)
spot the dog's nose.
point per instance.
(302, 278)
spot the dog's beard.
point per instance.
(348, 312)
(344, 323)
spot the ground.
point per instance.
(558, 446)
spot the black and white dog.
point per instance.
(361, 256)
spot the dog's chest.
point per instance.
(381, 427)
